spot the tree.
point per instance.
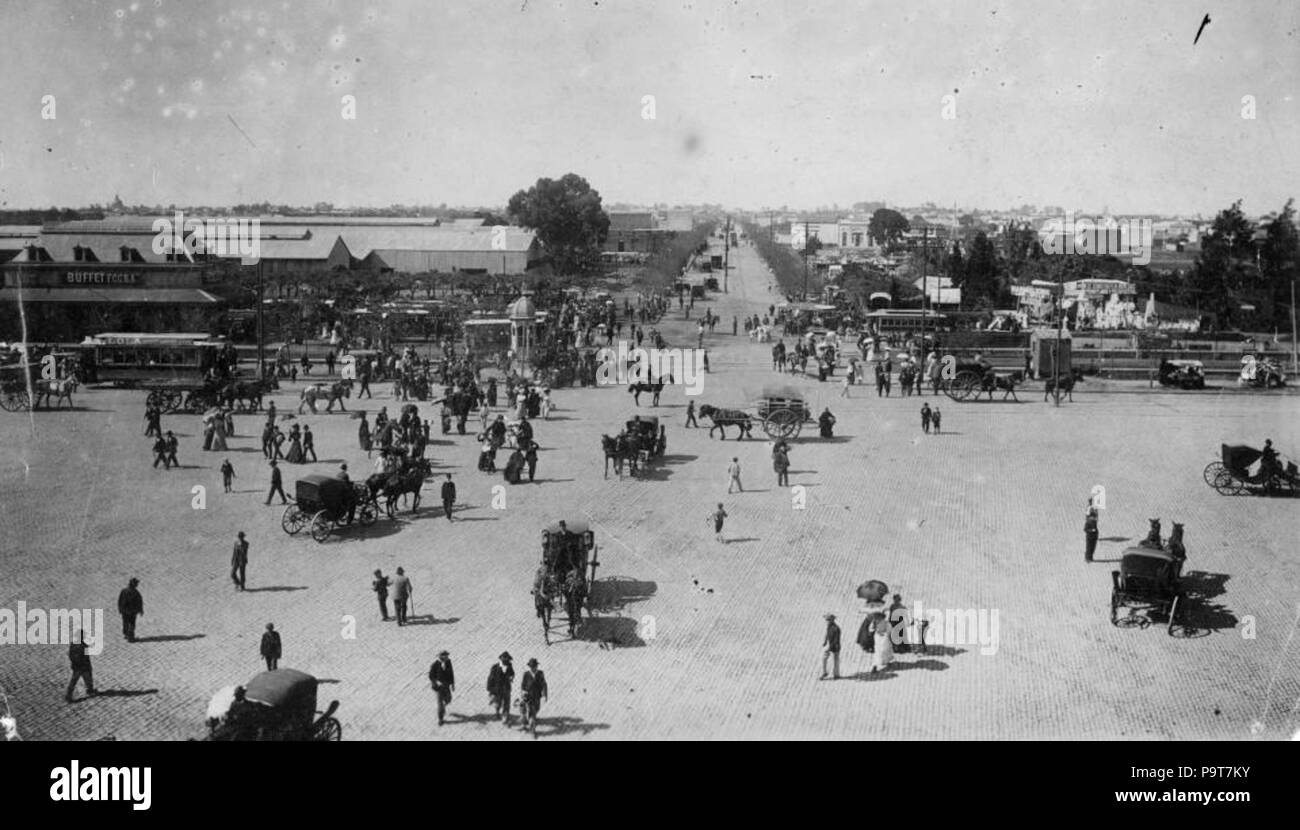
(1226, 265)
(566, 214)
(887, 226)
(981, 284)
(1279, 260)
(956, 267)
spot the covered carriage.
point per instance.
(783, 411)
(567, 569)
(1148, 581)
(1182, 374)
(323, 503)
(1244, 469)
(17, 381)
(650, 439)
(277, 705)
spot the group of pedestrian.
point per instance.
(931, 418)
(500, 688)
(882, 633)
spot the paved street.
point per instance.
(691, 638)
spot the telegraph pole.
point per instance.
(1056, 353)
(925, 284)
(1295, 359)
(726, 255)
(261, 360)
(805, 262)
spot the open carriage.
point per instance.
(783, 411)
(968, 379)
(323, 503)
(1243, 469)
(277, 705)
(17, 380)
(1147, 581)
(568, 553)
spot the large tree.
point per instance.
(886, 226)
(1279, 260)
(568, 218)
(981, 286)
(1226, 267)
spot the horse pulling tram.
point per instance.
(323, 503)
(277, 705)
(568, 551)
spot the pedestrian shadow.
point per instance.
(552, 480)
(275, 589)
(678, 458)
(479, 519)
(548, 727)
(923, 664)
(743, 539)
(1115, 539)
(125, 692)
(330, 680)
(933, 650)
(482, 719)
(835, 439)
(947, 433)
(429, 619)
(170, 638)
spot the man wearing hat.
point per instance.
(402, 591)
(380, 587)
(500, 678)
(277, 484)
(172, 446)
(239, 562)
(271, 647)
(533, 691)
(443, 679)
(130, 605)
(831, 647)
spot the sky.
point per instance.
(1085, 105)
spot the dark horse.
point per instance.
(619, 450)
(723, 418)
(1065, 382)
(404, 482)
(655, 388)
(993, 381)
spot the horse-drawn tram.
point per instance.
(277, 705)
(568, 551)
(180, 370)
(323, 503)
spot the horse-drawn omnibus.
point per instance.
(177, 368)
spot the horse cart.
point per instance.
(17, 381)
(323, 503)
(175, 395)
(968, 380)
(277, 705)
(1244, 469)
(1147, 582)
(568, 551)
(783, 412)
(649, 438)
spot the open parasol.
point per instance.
(873, 590)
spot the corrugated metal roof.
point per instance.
(86, 294)
(361, 241)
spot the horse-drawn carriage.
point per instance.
(1244, 469)
(25, 385)
(17, 380)
(783, 411)
(277, 705)
(568, 551)
(1261, 373)
(642, 441)
(1147, 581)
(1183, 374)
(323, 503)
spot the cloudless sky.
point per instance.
(1080, 104)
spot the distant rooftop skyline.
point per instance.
(1085, 105)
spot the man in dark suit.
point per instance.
(81, 669)
(533, 691)
(448, 496)
(271, 647)
(831, 647)
(500, 678)
(1090, 533)
(172, 446)
(239, 562)
(277, 484)
(380, 587)
(130, 604)
(443, 679)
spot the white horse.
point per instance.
(59, 389)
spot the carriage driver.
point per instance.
(1268, 457)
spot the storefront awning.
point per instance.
(134, 296)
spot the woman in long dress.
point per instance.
(219, 433)
(884, 653)
(363, 435)
(294, 455)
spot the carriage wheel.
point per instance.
(329, 730)
(368, 514)
(1212, 471)
(1225, 484)
(294, 520)
(171, 400)
(1173, 614)
(965, 385)
(195, 403)
(15, 400)
(782, 423)
(320, 527)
